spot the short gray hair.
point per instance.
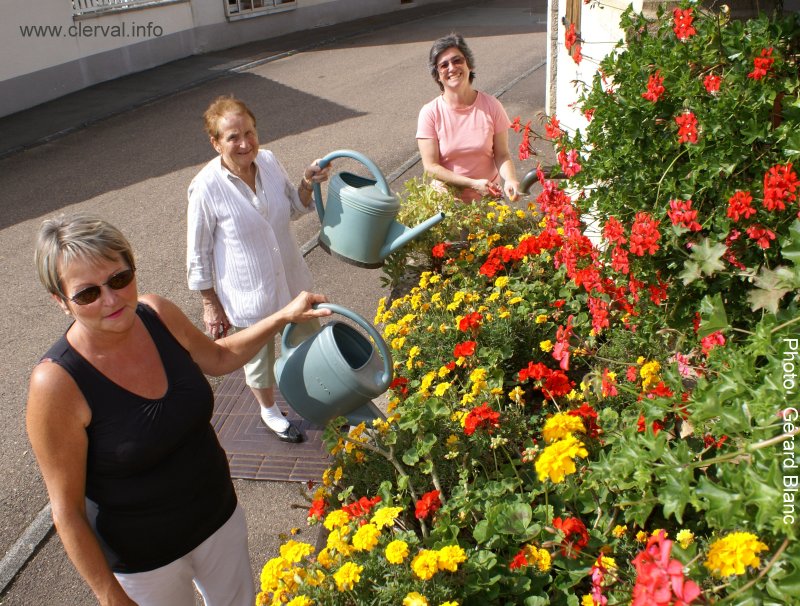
(454, 40)
(76, 236)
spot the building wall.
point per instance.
(48, 53)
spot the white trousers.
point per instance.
(219, 567)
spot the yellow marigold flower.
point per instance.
(546, 345)
(415, 599)
(426, 382)
(326, 477)
(452, 440)
(520, 214)
(541, 319)
(478, 375)
(558, 459)
(619, 531)
(406, 319)
(543, 560)
(336, 518)
(659, 531)
(366, 537)
(493, 297)
(504, 314)
(347, 576)
(640, 360)
(608, 562)
(425, 564)
(337, 475)
(441, 389)
(386, 516)
(501, 282)
(300, 600)
(561, 425)
(414, 352)
(272, 573)
(685, 538)
(337, 539)
(515, 300)
(397, 343)
(588, 600)
(574, 395)
(466, 399)
(543, 222)
(415, 301)
(641, 536)
(458, 416)
(325, 558)
(491, 216)
(442, 328)
(516, 395)
(390, 330)
(450, 557)
(294, 551)
(733, 553)
(435, 278)
(397, 552)
(444, 371)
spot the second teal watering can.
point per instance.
(336, 372)
(358, 219)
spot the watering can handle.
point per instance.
(386, 377)
(380, 180)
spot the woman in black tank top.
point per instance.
(119, 414)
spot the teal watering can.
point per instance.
(336, 372)
(358, 220)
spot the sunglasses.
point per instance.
(90, 294)
(458, 60)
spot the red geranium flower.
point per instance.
(712, 82)
(481, 417)
(569, 162)
(440, 250)
(687, 127)
(577, 57)
(576, 537)
(361, 507)
(739, 205)
(613, 231)
(317, 509)
(533, 371)
(557, 384)
(659, 579)
(520, 560)
(761, 235)
(762, 64)
(644, 235)
(711, 341)
(641, 425)
(570, 37)
(655, 87)
(780, 183)
(681, 213)
(561, 349)
(472, 321)
(516, 125)
(682, 23)
(552, 128)
(399, 384)
(428, 504)
(464, 350)
(589, 417)
(525, 144)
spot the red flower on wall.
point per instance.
(761, 235)
(681, 213)
(569, 162)
(739, 205)
(762, 64)
(712, 83)
(552, 129)
(687, 127)
(655, 87)
(644, 235)
(682, 23)
(570, 37)
(780, 183)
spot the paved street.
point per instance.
(358, 91)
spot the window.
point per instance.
(98, 7)
(242, 9)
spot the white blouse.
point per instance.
(241, 243)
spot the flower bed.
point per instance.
(586, 422)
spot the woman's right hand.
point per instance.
(487, 188)
(214, 318)
(302, 309)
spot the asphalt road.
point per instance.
(359, 91)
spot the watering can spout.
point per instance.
(400, 235)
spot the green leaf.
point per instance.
(771, 286)
(706, 260)
(790, 247)
(712, 314)
(536, 601)
(513, 518)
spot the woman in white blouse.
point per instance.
(241, 253)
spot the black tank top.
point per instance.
(157, 479)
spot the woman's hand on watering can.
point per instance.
(302, 309)
(314, 174)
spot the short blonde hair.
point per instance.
(76, 236)
(221, 106)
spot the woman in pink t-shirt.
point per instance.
(463, 133)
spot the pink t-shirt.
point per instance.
(465, 136)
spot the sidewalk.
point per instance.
(67, 114)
